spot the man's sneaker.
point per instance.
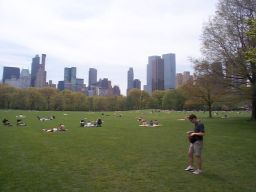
(198, 171)
(189, 168)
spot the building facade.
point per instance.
(169, 71)
(137, 84)
(161, 73)
(130, 78)
(38, 73)
(10, 73)
(92, 77)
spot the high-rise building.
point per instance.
(61, 85)
(92, 77)
(169, 71)
(116, 91)
(80, 86)
(40, 77)
(70, 78)
(70, 74)
(155, 73)
(11, 73)
(137, 83)
(161, 73)
(38, 73)
(179, 79)
(130, 78)
(34, 68)
(25, 79)
(183, 78)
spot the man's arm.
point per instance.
(199, 134)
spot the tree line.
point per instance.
(52, 99)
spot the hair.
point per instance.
(192, 116)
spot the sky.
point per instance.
(109, 35)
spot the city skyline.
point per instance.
(111, 36)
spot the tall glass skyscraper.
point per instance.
(155, 74)
(92, 76)
(38, 73)
(161, 73)
(34, 68)
(130, 77)
(169, 71)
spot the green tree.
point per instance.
(48, 94)
(21, 99)
(208, 87)
(225, 39)
(173, 100)
(137, 99)
(36, 100)
(157, 99)
(58, 101)
(7, 94)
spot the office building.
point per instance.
(11, 73)
(38, 73)
(161, 73)
(92, 77)
(25, 79)
(183, 78)
(34, 68)
(70, 78)
(137, 84)
(130, 78)
(169, 71)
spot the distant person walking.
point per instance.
(196, 145)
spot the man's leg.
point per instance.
(199, 162)
(198, 146)
(190, 155)
(190, 158)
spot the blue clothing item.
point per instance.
(199, 127)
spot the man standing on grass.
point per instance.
(196, 145)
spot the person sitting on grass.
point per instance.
(20, 123)
(98, 123)
(82, 123)
(61, 127)
(6, 122)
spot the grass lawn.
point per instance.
(120, 156)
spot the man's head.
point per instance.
(192, 118)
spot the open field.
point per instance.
(120, 156)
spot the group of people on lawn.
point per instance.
(19, 122)
(195, 136)
(97, 123)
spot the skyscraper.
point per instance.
(137, 83)
(130, 77)
(169, 71)
(155, 74)
(10, 73)
(70, 78)
(25, 79)
(161, 73)
(92, 77)
(38, 73)
(34, 68)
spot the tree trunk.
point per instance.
(210, 109)
(253, 117)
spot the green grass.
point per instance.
(121, 156)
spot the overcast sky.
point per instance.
(109, 35)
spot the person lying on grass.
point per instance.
(97, 123)
(6, 122)
(151, 123)
(61, 127)
(19, 122)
